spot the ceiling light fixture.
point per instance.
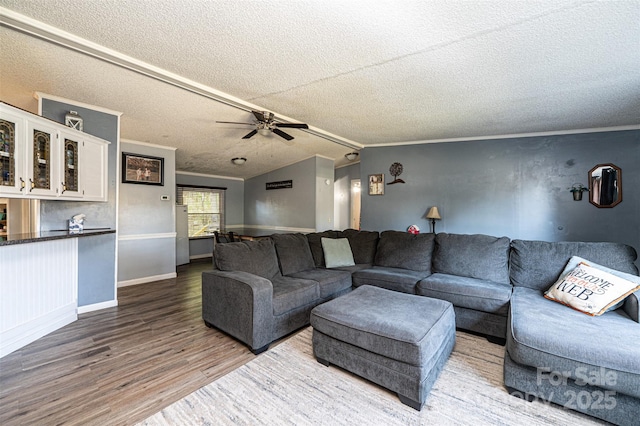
(351, 156)
(264, 131)
(238, 161)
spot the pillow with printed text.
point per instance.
(590, 289)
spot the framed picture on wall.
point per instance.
(376, 184)
(142, 169)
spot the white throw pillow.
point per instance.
(337, 252)
(591, 288)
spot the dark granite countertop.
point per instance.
(34, 237)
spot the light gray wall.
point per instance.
(234, 206)
(98, 251)
(324, 194)
(146, 222)
(342, 194)
(292, 208)
(513, 187)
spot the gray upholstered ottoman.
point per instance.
(399, 341)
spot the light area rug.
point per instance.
(287, 386)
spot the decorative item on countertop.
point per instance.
(76, 223)
(577, 189)
(432, 215)
(413, 229)
(73, 120)
(396, 170)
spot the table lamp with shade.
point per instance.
(432, 215)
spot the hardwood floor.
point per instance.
(118, 366)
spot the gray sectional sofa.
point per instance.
(261, 291)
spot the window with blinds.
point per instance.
(205, 209)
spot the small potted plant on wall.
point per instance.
(577, 189)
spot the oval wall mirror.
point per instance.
(605, 185)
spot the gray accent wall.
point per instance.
(147, 243)
(233, 205)
(513, 187)
(293, 207)
(97, 251)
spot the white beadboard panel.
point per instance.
(39, 290)
(28, 332)
(148, 257)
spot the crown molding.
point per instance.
(511, 136)
(40, 96)
(178, 172)
(152, 145)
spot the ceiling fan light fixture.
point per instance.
(351, 156)
(238, 161)
(265, 131)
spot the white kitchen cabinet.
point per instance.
(12, 154)
(94, 158)
(40, 158)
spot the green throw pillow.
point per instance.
(337, 252)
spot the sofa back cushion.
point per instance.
(315, 245)
(363, 245)
(293, 252)
(474, 256)
(538, 264)
(398, 249)
(255, 257)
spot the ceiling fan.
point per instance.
(265, 124)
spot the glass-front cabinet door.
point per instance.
(7, 153)
(42, 139)
(70, 166)
(12, 164)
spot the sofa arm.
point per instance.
(632, 307)
(239, 303)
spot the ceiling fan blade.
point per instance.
(282, 134)
(293, 125)
(250, 134)
(235, 122)
(259, 115)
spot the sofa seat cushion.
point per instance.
(538, 264)
(471, 293)
(549, 335)
(294, 254)
(403, 280)
(291, 293)
(474, 256)
(255, 257)
(330, 281)
(403, 250)
(354, 268)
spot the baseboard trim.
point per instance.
(148, 279)
(30, 331)
(199, 256)
(97, 306)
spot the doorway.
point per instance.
(354, 216)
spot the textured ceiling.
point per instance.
(377, 72)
